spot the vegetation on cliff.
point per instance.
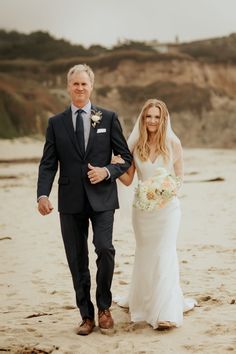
(196, 80)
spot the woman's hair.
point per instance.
(142, 146)
(79, 68)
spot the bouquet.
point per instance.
(157, 191)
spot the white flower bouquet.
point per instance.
(157, 191)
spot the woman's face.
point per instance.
(152, 119)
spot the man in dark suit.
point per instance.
(82, 140)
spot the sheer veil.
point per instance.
(126, 193)
(171, 137)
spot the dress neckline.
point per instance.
(155, 160)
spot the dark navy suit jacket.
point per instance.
(62, 149)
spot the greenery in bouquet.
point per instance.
(157, 191)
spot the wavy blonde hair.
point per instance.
(142, 146)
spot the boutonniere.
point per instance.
(96, 117)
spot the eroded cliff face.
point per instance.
(201, 96)
(178, 71)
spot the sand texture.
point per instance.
(38, 312)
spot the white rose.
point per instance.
(96, 118)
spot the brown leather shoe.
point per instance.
(86, 327)
(105, 320)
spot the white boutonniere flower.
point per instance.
(96, 117)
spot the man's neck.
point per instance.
(86, 107)
(80, 104)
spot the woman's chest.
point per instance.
(146, 169)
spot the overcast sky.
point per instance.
(107, 21)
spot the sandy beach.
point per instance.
(38, 312)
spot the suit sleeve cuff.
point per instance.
(41, 196)
(108, 173)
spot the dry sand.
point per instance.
(38, 313)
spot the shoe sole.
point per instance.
(84, 333)
(107, 331)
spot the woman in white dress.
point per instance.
(155, 295)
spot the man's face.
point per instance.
(79, 88)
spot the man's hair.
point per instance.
(79, 68)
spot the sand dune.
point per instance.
(38, 313)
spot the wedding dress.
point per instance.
(155, 294)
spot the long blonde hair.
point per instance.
(142, 147)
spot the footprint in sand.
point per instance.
(11, 294)
(219, 329)
(132, 327)
(37, 271)
(209, 300)
(30, 329)
(69, 307)
(122, 282)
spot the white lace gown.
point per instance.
(155, 294)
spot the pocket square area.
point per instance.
(101, 130)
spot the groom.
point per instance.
(81, 140)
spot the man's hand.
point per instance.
(44, 206)
(96, 174)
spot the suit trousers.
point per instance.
(74, 229)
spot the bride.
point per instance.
(155, 295)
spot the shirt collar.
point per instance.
(86, 108)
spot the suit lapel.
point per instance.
(67, 120)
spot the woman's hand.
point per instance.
(117, 159)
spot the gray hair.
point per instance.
(79, 68)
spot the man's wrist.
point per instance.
(42, 196)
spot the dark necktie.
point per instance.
(79, 130)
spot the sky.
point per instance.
(106, 22)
